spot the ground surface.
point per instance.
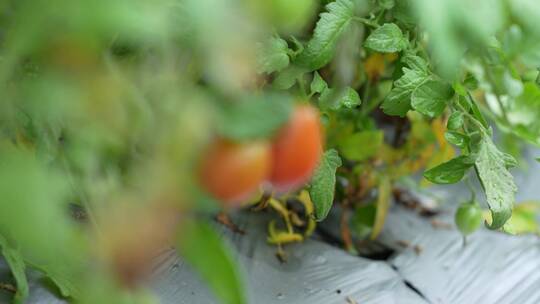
(433, 268)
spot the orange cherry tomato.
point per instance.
(297, 149)
(232, 172)
(133, 235)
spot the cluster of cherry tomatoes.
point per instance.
(233, 171)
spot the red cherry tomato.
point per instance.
(297, 149)
(231, 172)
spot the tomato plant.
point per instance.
(123, 109)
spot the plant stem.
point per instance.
(366, 22)
(471, 118)
(302, 86)
(503, 110)
(471, 188)
(493, 88)
(366, 107)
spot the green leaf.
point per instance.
(470, 82)
(398, 101)
(457, 139)
(255, 117)
(331, 25)
(538, 159)
(349, 98)
(335, 99)
(327, 100)
(204, 250)
(287, 78)
(416, 63)
(455, 121)
(272, 55)
(362, 145)
(383, 203)
(17, 266)
(509, 160)
(323, 184)
(386, 4)
(497, 182)
(318, 85)
(386, 39)
(363, 220)
(476, 111)
(449, 172)
(461, 91)
(411, 79)
(431, 97)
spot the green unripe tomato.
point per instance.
(292, 15)
(468, 217)
(288, 16)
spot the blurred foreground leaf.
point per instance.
(33, 196)
(34, 213)
(455, 25)
(522, 115)
(255, 116)
(206, 252)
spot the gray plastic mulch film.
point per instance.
(492, 268)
